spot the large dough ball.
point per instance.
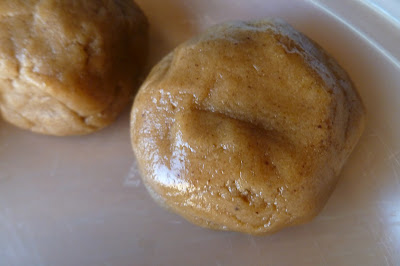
(245, 127)
(69, 66)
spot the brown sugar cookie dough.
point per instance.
(245, 127)
(69, 66)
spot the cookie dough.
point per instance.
(69, 66)
(245, 127)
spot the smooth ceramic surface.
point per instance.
(80, 200)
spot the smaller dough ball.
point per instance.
(245, 127)
(69, 67)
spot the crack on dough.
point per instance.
(45, 93)
(75, 113)
(15, 14)
(31, 123)
(272, 133)
(248, 197)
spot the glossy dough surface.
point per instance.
(69, 67)
(245, 127)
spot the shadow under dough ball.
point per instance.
(245, 127)
(69, 67)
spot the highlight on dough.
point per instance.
(245, 127)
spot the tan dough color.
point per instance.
(246, 127)
(69, 66)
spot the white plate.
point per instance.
(80, 201)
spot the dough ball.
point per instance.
(69, 66)
(245, 127)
